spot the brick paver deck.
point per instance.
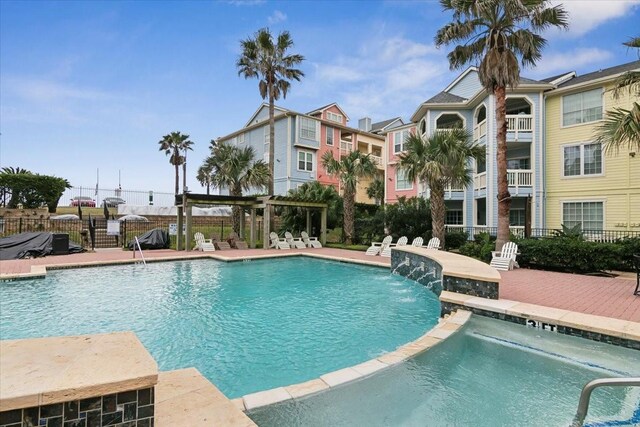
(610, 297)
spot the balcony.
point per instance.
(480, 130)
(519, 123)
(345, 147)
(480, 181)
(377, 160)
(520, 178)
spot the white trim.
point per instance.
(594, 82)
(420, 123)
(460, 77)
(288, 154)
(305, 152)
(403, 142)
(263, 105)
(581, 144)
(333, 136)
(326, 107)
(339, 117)
(316, 130)
(562, 125)
(457, 113)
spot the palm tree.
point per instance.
(269, 62)
(5, 191)
(349, 169)
(621, 127)
(440, 160)
(295, 218)
(204, 177)
(236, 169)
(172, 145)
(496, 33)
(375, 191)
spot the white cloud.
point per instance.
(44, 91)
(339, 73)
(276, 17)
(570, 60)
(585, 15)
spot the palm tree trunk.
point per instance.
(272, 136)
(504, 198)
(177, 178)
(349, 207)
(236, 211)
(437, 210)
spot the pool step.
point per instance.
(185, 398)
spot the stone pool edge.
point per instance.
(443, 330)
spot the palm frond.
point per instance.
(620, 127)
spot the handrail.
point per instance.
(585, 395)
(140, 250)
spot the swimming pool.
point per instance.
(247, 326)
(491, 373)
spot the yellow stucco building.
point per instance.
(584, 183)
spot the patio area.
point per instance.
(601, 296)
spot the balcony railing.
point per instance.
(517, 123)
(376, 159)
(480, 130)
(480, 181)
(520, 178)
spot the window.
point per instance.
(399, 140)
(519, 163)
(582, 107)
(265, 156)
(329, 135)
(241, 139)
(454, 217)
(307, 128)
(305, 161)
(402, 183)
(423, 127)
(583, 159)
(516, 217)
(590, 215)
(334, 117)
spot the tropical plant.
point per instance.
(409, 217)
(375, 191)
(621, 127)
(496, 33)
(172, 145)
(6, 192)
(204, 177)
(268, 61)
(295, 218)
(440, 160)
(32, 190)
(236, 169)
(349, 169)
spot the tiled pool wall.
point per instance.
(448, 307)
(428, 272)
(134, 408)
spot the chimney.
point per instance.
(365, 124)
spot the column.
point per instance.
(179, 236)
(323, 227)
(308, 221)
(241, 223)
(252, 230)
(266, 219)
(187, 238)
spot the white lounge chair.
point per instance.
(417, 242)
(434, 243)
(377, 247)
(278, 242)
(311, 242)
(386, 252)
(294, 241)
(202, 244)
(505, 259)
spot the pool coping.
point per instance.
(440, 332)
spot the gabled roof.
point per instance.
(265, 105)
(559, 78)
(380, 126)
(445, 98)
(321, 109)
(460, 77)
(607, 72)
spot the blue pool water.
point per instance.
(492, 373)
(247, 326)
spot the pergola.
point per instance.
(251, 203)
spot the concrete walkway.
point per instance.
(610, 297)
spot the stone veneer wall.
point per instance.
(448, 307)
(410, 265)
(133, 408)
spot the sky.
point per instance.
(95, 85)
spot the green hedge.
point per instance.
(577, 255)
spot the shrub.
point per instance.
(409, 217)
(574, 255)
(369, 225)
(455, 239)
(480, 248)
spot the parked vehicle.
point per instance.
(112, 202)
(83, 201)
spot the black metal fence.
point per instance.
(593, 235)
(78, 230)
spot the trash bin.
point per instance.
(60, 244)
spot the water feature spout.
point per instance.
(418, 268)
(431, 272)
(401, 264)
